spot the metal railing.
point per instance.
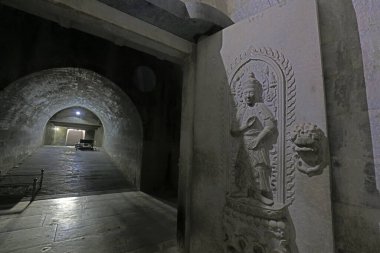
(21, 184)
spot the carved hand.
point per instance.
(250, 122)
(254, 143)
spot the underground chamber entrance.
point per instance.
(70, 171)
(116, 83)
(69, 126)
(73, 159)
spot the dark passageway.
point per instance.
(70, 68)
(89, 200)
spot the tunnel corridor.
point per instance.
(48, 92)
(135, 96)
(78, 85)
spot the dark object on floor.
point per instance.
(85, 145)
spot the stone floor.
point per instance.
(103, 213)
(72, 173)
(116, 222)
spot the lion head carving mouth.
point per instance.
(309, 145)
(307, 138)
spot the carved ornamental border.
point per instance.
(282, 156)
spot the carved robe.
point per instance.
(252, 165)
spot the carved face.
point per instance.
(307, 137)
(249, 96)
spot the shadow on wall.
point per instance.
(30, 102)
(355, 197)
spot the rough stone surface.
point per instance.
(354, 187)
(36, 98)
(112, 24)
(352, 113)
(127, 222)
(368, 18)
(70, 172)
(186, 154)
(188, 21)
(349, 40)
(221, 5)
(54, 46)
(239, 9)
(307, 196)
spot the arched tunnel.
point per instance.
(39, 96)
(136, 96)
(128, 185)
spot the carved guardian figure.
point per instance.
(255, 123)
(260, 183)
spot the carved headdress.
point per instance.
(253, 83)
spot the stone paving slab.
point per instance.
(20, 223)
(117, 222)
(26, 238)
(73, 172)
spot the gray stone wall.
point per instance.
(368, 17)
(55, 136)
(37, 97)
(98, 138)
(355, 198)
(350, 50)
(69, 116)
(55, 46)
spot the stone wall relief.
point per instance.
(255, 124)
(263, 95)
(261, 178)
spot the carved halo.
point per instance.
(276, 75)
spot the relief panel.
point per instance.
(261, 180)
(261, 175)
(278, 150)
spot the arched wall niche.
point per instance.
(29, 103)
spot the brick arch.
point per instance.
(28, 104)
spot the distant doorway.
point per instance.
(70, 125)
(73, 136)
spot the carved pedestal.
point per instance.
(252, 229)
